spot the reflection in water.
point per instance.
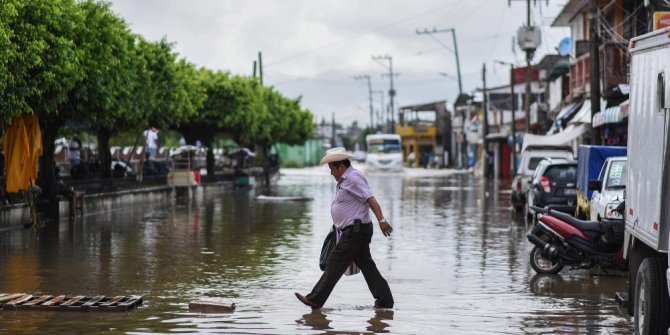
(377, 323)
(316, 320)
(457, 263)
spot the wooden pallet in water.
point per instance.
(81, 303)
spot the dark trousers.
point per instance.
(353, 247)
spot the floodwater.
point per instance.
(457, 263)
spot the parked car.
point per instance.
(608, 189)
(590, 162)
(530, 158)
(554, 183)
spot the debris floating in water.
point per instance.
(271, 198)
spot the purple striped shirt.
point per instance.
(351, 198)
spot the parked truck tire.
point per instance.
(652, 305)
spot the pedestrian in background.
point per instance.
(151, 136)
(350, 212)
(74, 152)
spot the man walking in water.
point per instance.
(351, 218)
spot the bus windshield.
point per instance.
(383, 146)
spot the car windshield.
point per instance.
(567, 173)
(617, 176)
(534, 161)
(384, 146)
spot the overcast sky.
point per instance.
(314, 49)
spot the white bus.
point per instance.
(384, 152)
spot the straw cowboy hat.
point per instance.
(335, 155)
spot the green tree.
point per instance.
(282, 120)
(231, 106)
(45, 65)
(105, 98)
(173, 94)
(39, 63)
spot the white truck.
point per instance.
(647, 196)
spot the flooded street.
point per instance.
(457, 263)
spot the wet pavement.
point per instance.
(457, 263)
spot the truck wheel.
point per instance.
(651, 298)
(542, 265)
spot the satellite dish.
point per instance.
(564, 46)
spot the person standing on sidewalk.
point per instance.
(151, 137)
(350, 212)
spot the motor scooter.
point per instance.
(561, 240)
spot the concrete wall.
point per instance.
(17, 215)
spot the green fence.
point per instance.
(308, 154)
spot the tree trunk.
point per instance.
(266, 164)
(46, 177)
(207, 142)
(103, 137)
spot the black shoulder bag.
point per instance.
(328, 246)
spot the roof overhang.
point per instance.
(427, 107)
(570, 10)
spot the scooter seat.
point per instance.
(585, 226)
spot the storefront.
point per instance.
(611, 125)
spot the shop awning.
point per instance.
(610, 115)
(584, 114)
(565, 113)
(570, 133)
(625, 108)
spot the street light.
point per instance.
(444, 74)
(453, 36)
(513, 98)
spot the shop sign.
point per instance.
(661, 20)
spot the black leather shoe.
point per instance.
(306, 301)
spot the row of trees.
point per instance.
(71, 61)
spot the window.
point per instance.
(532, 163)
(617, 177)
(566, 173)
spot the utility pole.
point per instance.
(529, 38)
(382, 110)
(485, 125)
(595, 63)
(391, 90)
(453, 36)
(333, 143)
(367, 77)
(260, 66)
(511, 81)
(513, 107)
(526, 103)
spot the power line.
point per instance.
(430, 11)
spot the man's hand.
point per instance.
(386, 228)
